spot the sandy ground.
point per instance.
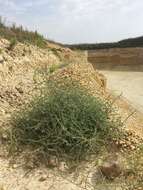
(130, 84)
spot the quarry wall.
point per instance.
(120, 59)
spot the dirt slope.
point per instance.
(18, 69)
(17, 74)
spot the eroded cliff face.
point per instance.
(121, 59)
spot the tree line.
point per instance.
(131, 42)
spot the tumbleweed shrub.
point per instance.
(64, 121)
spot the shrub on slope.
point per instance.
(64, 121)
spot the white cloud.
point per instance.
(78, 20)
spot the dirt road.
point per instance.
(130, 84)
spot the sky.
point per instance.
(77, 21)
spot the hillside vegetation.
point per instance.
(131, 42)
(18, 33)
(65, 121)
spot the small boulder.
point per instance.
(63, 167)
(53, 162)
(110, 170)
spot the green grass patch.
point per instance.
(12, 44)
(64, 121)
(54, 67)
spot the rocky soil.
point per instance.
(18, 70)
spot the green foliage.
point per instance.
(54, 67)
(127, 43)
(64, 121)
(21, 35)
(12, 44)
